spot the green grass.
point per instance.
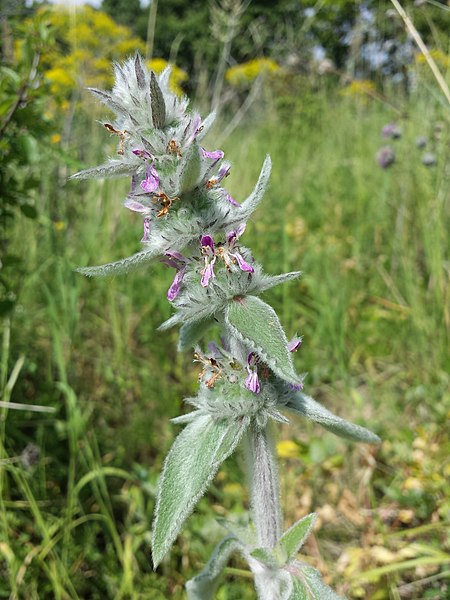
(373, 306)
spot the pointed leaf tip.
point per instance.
(158, 104)
(307, 407)
(140, 74)
(294, 538)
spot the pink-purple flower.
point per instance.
(252, 381)
(294, 344)
(223, 172)
(178, 262)
(227, 252)
(208, 251)
(385, 157)
(214, 154)
(151, 182)
(142, 153)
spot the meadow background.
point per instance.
(88, 383)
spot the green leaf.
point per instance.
(294, 538)
(256, 324)
(251, 203)
(157, 102)
(308, 585)
(269, 281)
(107, 99)
(203, 586)
(190, 333)
(125, 265)
(191, 169)
(307, 407)
(191, 464)
(265, 556)
(139, 71)
(29, 211)
(113, 168)
(206, 125)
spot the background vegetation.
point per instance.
(88, 384)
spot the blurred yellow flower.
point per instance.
(359, 88)
(232, 489)
(247, 72)
(439, 57)
(287, 449)
(59, 225)
(55, 138)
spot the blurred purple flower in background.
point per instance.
(385, 157)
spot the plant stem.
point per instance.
(264, 487)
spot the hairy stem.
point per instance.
(264, 488)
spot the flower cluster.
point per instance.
(176, 183)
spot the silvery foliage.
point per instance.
(247, 384)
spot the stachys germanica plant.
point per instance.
(248, 383)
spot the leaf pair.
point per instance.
(278, 575)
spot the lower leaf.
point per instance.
(203, 586)
(191, 464)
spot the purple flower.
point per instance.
(244, 266)
(391, 131)
(135, 206)
(151, 181)
(142, 153)
(210, 259)
(224, 171)
(231, 200)
(192, 130)
(294, 344)
(232, 237)
(174, 259)
(215, 154)
(208, 272)
(252, 381)
(296, 387)
(174, 289)
(179, 262)
(207, 244)
(385, 157)
(214, 349)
